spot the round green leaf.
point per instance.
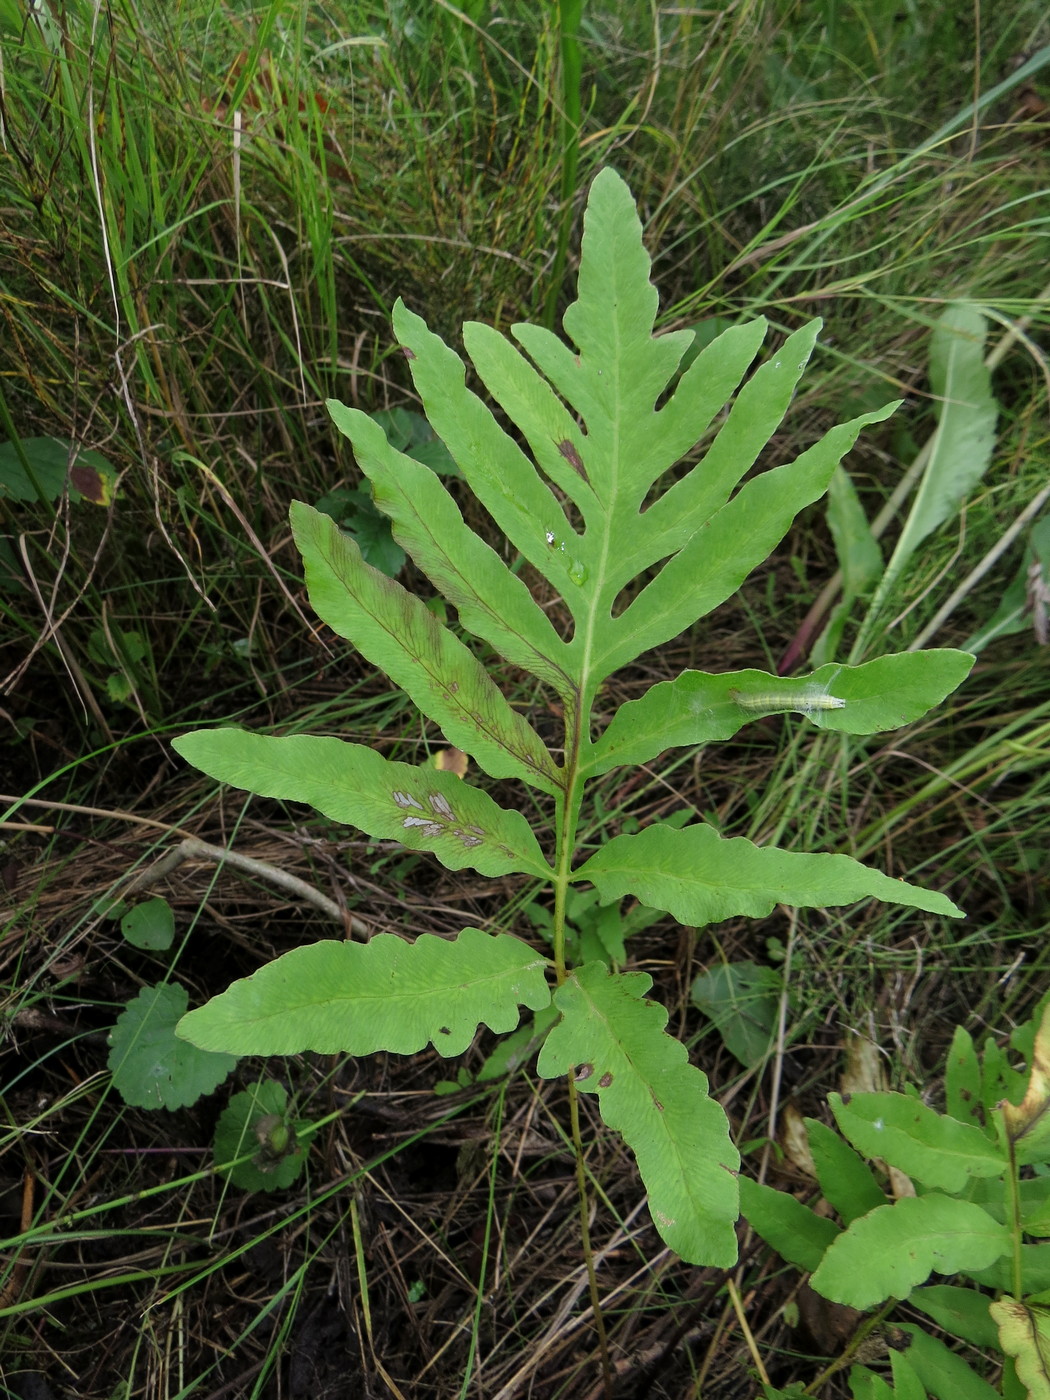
(151, 1067)
(150, 925)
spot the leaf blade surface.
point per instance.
(358, 998)
(423, 809)
(613, 1039)
(701, 877)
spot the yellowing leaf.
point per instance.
(1029, 1123)
(1024, 1334)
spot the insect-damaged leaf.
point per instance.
(397, 632)
(423, 809)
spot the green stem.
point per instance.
(568, 816)
(1013, 1206)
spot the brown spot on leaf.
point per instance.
(408, 354)
(582, 1072)
(656, 1101)
(91, 484)
(605, 1080)
(568, 451)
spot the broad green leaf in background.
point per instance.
(961, 1311)
(352, 510)
(906, 1383)
(698, 707)
(926, 1145)
(149, 925)
(962, 444)
(396, 631)
(886, 1253)
(410, 433)
(356, 998)
(866, 1385)
(612, 1039)
(859, 556)
(515, 1049)
(797, 1233)
(151, 1067)
(701, 877)
(962, 1079)
(942, 1372)
(1024, 1334)
(846, 1180)
(1035, 1272)
(423, 809)
(742, 999)
(42, 467)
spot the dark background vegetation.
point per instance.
(206, 214)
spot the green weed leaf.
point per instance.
(701, 877)
(698, 707)
(149, 925)
(423, 809)
(354, 512)
(906, 1383)
(257, 1121)
(396, 631)
(718, 557)
(742, 1000)
(943, 1372)
(797, 1233)
(356, 998)
(926, 1145)
(38, 468)
(886, 1253)
(961, 1311)
(612, 1039)
(962, 445)
(845, 1179)
(962, 1079)
(151, 1067)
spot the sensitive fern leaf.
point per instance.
(423, 809)
(583, 475)
(393, 628)
(886, 1253)
(612, 1039)
(701, 877)
(382, 995)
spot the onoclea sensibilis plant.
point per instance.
(582, 489)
